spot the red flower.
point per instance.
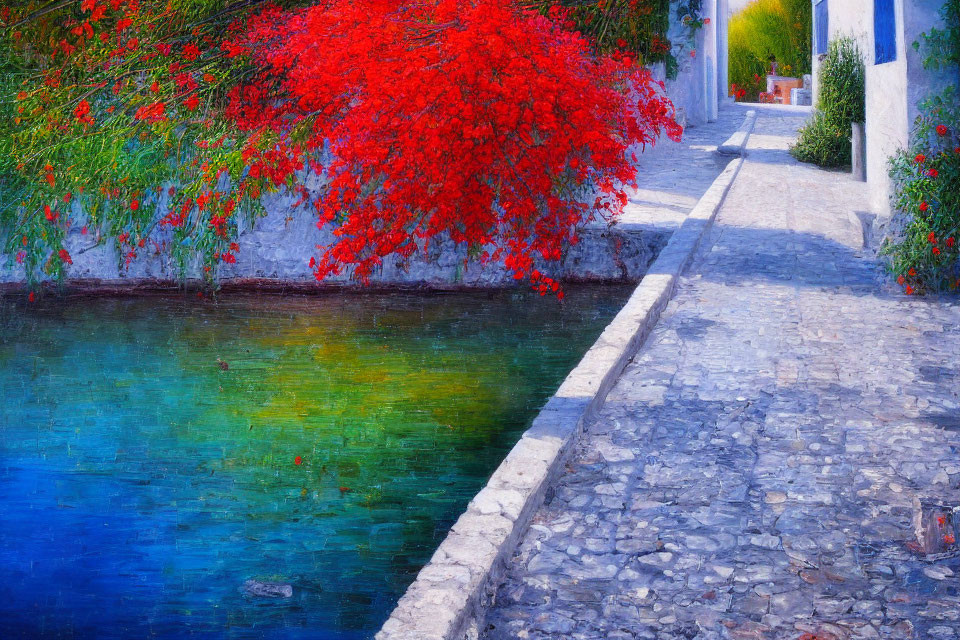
(931, 238)
(191, 52)
(298, 460)
(941, 520)
(901, 280)
(920, 159)
(933, 173)
(924, 206)
(134, 205)
(152, 112)
(31, 297)
(950, 242)
(83, 108)
(50, 214)
(912, 272)
(155, 86)
(229, 258)
(941, 130)
(65, 256)
(908, 290)
(957, 150)
(949, 539)
(936, 251)
(192, 102)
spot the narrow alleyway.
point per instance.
(757, 470)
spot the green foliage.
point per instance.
(925, 255)
(781, 28)
(615, 25)
(825, 140)
(51, 158)
(637, 27)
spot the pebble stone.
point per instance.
(757, 469)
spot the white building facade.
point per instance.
(702, 80)
(895, 78)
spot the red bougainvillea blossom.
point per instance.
(473, 121)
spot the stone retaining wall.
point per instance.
(279, 246)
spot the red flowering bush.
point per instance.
(925, 250)
(480, 122)
(926, 253)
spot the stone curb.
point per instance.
(735, 144)
(444, 601)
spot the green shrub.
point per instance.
(769, 27)
(825, 140)
(630, 26)
(925, 254)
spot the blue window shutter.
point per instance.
(884, 31)
(822, 19)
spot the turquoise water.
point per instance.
(157, 453)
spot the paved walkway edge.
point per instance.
(448, 596)
(736, 143)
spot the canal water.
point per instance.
(163, 460)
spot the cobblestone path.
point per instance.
(673, 177)
(757, 470)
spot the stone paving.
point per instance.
(758, 469)
(674, 176)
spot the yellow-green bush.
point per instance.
(781, 28)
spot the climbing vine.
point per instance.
(637, 28)
(114, 124)
(925, 256)
(157, 126)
